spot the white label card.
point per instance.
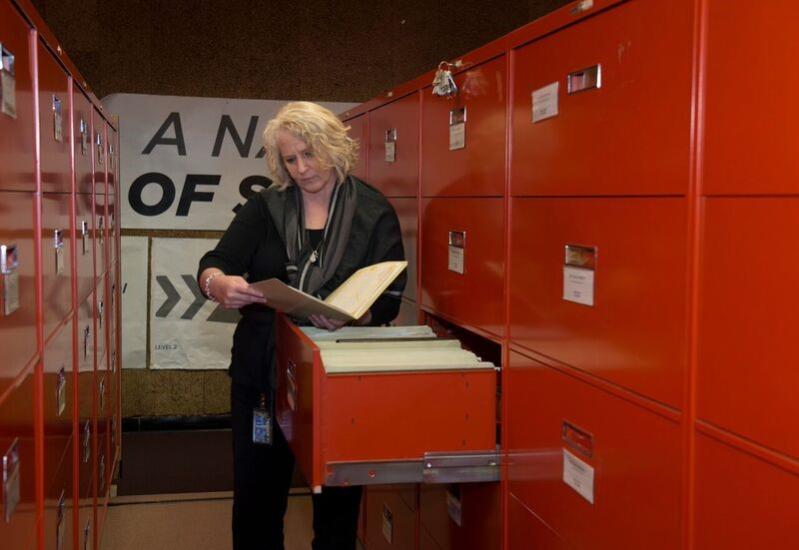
(578, 285)
(391, 151)
(545, 102)
(457, 136)
(456, 259)
(578, 475)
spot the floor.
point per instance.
(181, 521)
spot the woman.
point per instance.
(314, 227)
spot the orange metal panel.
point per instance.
(113, 191)
(462, 517)
(58, 401)
(55, 131)
(56, 259)
(527, 531)
(408, 214)
(474, 298)
(85, 243)
(100, 200)
(17, 128)
(631, 135)
(359, 131)
(635, 456)
(478, 167)
(84, 439)
(82, 134)
(742, 502)
(58, 508)
(394, 147)
(18, 523)
(745, 380)
(101, 322)
(348, 418)
(17, 326)
(640, 259)
(753, 153)
(391, 524)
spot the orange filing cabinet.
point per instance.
(383, 424)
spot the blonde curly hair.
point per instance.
(323, 132)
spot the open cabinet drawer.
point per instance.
(362, 423)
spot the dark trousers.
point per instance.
(261, 481)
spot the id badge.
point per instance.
(261, 426)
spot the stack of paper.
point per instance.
(391, 349)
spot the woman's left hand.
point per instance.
(320, 321)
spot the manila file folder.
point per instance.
(348, 302)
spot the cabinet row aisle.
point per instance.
(595, 211)
(59, 317)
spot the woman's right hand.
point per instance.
(233, 292)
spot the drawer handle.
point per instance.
(59, 525)
(86, 336)
(58, 246)
(87, 530)
(84, 233)
(291, 379)
(87, 441)
(9, 278)
(577, 439)
(101, 391)
(11, 480)
(61, 391)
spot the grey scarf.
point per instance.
(307, 269)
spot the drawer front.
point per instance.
(526, 531)
(464, 281)
(17, 284)
(595, 144)
(466, 516)
(17, 122)
(746, 323)
(58, 509)
(391, 525)
(359, 131)
(408, 214)
(463, 138)
(611, 451)
(85, 238)
(54, 117)
(742, 501)
(394, 147)
(82, 134)
(757, 156)
(101, 314)
(402, 416)
(17, 464)
(58, 400)
(56, 259)
(582, 305)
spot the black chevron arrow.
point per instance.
(222, 315)
(199, 299)
(172, 296)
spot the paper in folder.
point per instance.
(348, 302)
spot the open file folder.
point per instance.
(374, 409)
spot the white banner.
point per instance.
(186, 330)
(134, 303)
(190, 162)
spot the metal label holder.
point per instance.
(8, 83)
(61, 392)
(84, 136)
(390, 142)
(58, 246)
(457, 128)
(456, 259)
(433, 468)
(11, 481)
(9, 278)
(58, 121)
